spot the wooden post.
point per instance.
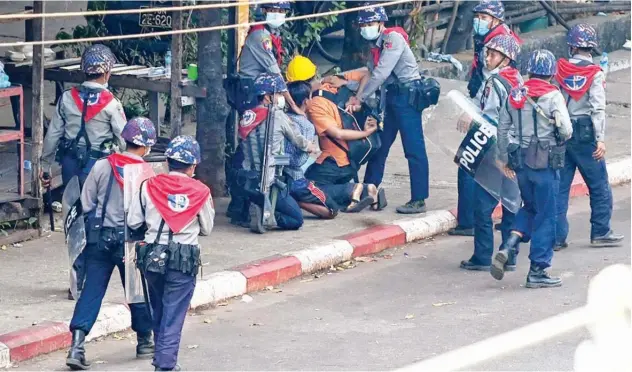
(175, 107)
(37, 113)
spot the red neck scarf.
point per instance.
(574, 79)
(178, 199)
(532, 88)
(95, 104)
(512, 76)
(377, 51)
(277, 42)
(251, 120)
(118, 162)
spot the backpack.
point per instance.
(360, 150)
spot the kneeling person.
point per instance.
(102, 202)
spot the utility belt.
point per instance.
(240, 92)
(583, 129)
(420, 94)
(78, 152)
(157, 258)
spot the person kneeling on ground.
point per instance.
(324, 201)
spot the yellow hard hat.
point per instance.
(300, 69)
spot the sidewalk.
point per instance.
(34, 310)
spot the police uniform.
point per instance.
(102, 203)
(583, 84)
(104, 121)
(394, 69)
(175, 209)
(493, 100)
(536, 169)
(251, 131)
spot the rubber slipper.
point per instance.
(381, 201)
(359, 205)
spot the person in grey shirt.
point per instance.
(584, 85)
(102, 202)
(535, 120)
(87, 121)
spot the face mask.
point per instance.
(481, 26)
(370, 32)
(275, 20)
(280, 104)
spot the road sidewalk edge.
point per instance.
(47, 337)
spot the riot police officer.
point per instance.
(395, 72)
(501, 51)
(175, 209)
(102, 202)
(583, 83)
(88, 120)
(530, 138)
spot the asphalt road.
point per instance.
(409, 304)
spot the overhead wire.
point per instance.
(192, 30)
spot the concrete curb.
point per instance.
(255, 276)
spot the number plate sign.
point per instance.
(160, 19)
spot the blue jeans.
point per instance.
(484, 205)
(465, 208)
(170, 296)
(579, 156)
(99, 266)
(287, 212)
(536, 219)
(401, 117)
(70, 168)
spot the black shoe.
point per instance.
(469, 265)
(176, 368)
(560, 246)
(501, 262)
(145, 346)
(76, 358)
(498, 227)
(609, 240)
(461, 231)
(539, 278)
(70, 296)
(412, 207)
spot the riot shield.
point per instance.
(133, 176)
(75, 230)
(456, 127)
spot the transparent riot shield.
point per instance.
(456, 127)
(75, 231)
(134, 175)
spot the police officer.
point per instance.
(87, 121)
(175, 209)
(501, 51)
(583, 84)
(102, 202)
(537, 121)
(394, 70)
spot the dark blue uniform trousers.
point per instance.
(579, 156)
(99, 266)
(401, 117)
(536, 219)
(170, 296)
(287, 212)
(70, 168)
(484, 205)
(465, 207)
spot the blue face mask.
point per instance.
(481, 26)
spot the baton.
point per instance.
(49, 196)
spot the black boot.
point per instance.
(76, 358)
(144, 346)
(539, 278)
(499, 262)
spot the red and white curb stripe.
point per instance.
(254, 276)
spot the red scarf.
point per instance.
(512, 76)
(376, 51)
(250, 120)
(95, 106)
(178, 199)
(277, 42)
(574, 79)
(532, 88)
(501, 29)
(118, 162)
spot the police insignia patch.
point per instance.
(178, 203)
(388, 45)
(575, 82)
(248, 118)
(267, 44)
